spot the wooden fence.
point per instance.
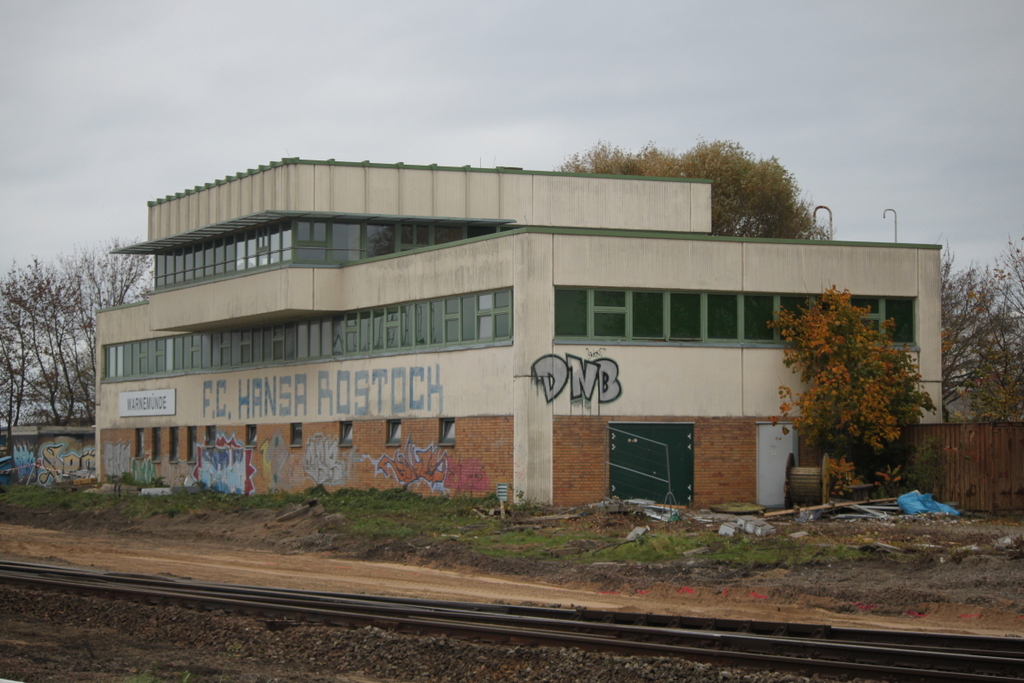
(984, 463)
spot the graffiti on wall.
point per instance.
(230, 466)
(469, 478)
(325, 394)
(25, 470)
(226, 466)
(323, 462)
(143, 470)
(584, 377)
(79, 463)
(117, 458)
(53, 461)
(412, 465)
(274, 454)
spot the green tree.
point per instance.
(860, 388)
(750, 197)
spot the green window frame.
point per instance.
(699, 317)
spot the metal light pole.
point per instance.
(895, 227)
(814, 215)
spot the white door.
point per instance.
(774, 447)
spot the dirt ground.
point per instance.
(949, 576)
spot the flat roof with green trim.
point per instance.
(401, 165)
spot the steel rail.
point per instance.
(499, 625)
(1001, 646)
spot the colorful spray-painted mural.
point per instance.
(45, 456)
(274, 455)
(273, 459)
(226, 466)
(412, 465)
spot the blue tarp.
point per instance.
(914, 502)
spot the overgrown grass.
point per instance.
(375, 514)
(397, 514)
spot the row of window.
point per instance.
(446, 436)
(301, 241)
(473, 318)
(698, 316)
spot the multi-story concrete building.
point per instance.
(454, 329)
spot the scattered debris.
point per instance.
(545, 519)
(1012, 544)
(728, 529)
(661, 513)
(916, 502)
(156, 491)
(748, 525)
(804, 513)
(809, 515)
(1004, 542)
(292, 512)
(864, 512)
(632, 537)
(799, 534)
(879, 547)
(738, 508)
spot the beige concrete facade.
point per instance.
(481, 384)
(529, 198)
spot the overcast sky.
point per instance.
(913, 106)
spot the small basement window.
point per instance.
(447, 435)
(394, 431)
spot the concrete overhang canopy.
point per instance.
(263, 217)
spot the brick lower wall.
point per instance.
(724, 468)
(479, 458)
(725, 457)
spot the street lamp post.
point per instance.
(814, 215)
(895, 228)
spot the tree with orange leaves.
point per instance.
(860, 387)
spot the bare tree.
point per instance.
(49, 299)
(105, 280)
(968, 300)
(998, 393)
(48, 364)
(983, 339)
(15, 358)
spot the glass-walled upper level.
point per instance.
(479, 318)
(333, 241)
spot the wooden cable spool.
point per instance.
(808, 485)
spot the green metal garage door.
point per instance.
(651, 460)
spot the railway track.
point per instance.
(803, 648)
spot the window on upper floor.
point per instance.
(301, 242)
(702, 317)
(478, 318)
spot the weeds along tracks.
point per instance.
(804, 648)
